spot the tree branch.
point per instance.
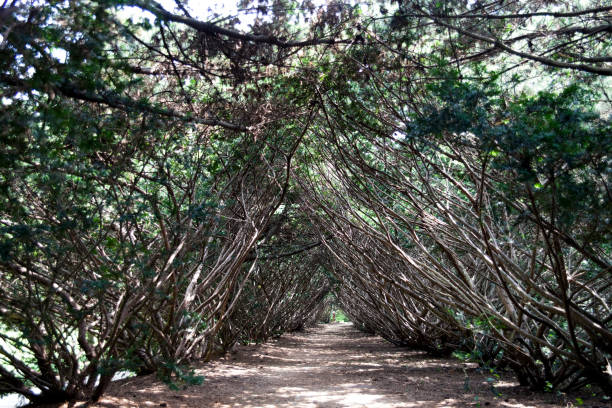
(72, 91)
(213, 29)
(518, 15)
(544, 60)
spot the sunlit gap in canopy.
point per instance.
(219, 12)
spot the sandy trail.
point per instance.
(334, 366)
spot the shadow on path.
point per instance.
(330, 366)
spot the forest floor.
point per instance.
(336, 366)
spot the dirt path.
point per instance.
(333, 366)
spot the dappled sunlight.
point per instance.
(345, 369)
(183, 181)
(348, 395)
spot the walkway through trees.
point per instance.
(175, 182)
(330, 366)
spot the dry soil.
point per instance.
(336, 366)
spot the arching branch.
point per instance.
(213, 29)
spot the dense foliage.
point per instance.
(172, 183)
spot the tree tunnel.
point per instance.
(172, 184)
